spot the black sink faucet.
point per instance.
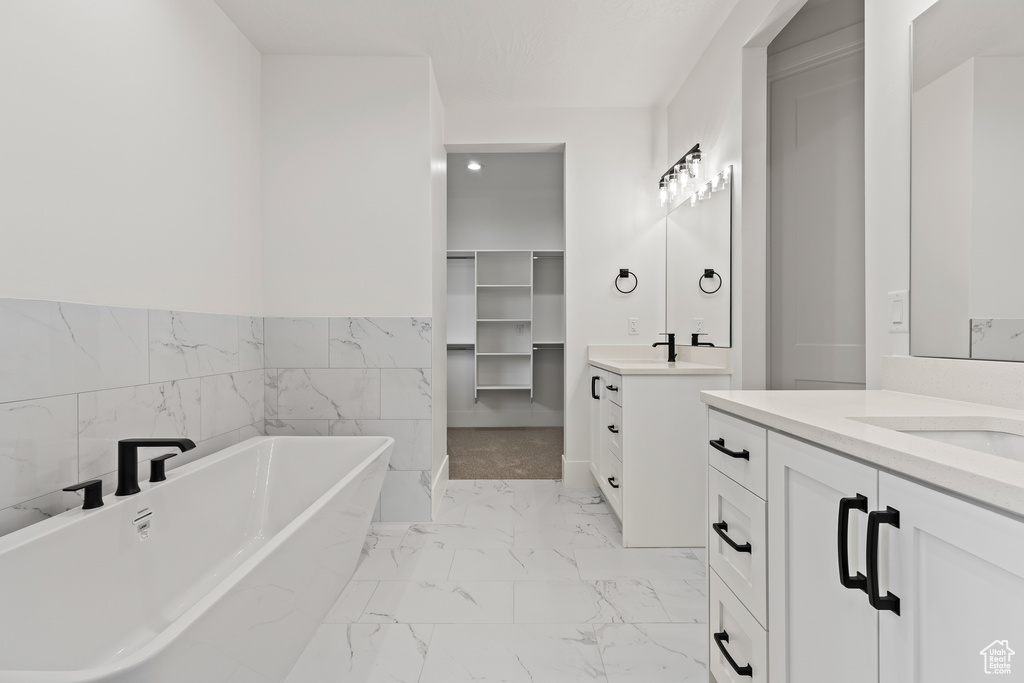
(695, 339)
(128, 460)
(671, 344)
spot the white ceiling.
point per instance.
(537, 53)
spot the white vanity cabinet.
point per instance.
(648, 454)
(947, 576)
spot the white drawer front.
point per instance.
(747, 642)
(613, 387)
(740, 516)
(736, 436)
(614, 429)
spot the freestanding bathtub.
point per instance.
(222, 571)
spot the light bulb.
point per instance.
(663, 195)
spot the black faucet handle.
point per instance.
(93, 493)
(157, 467)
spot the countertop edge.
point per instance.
(625, 369)
(978, 487)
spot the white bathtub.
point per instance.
(245, 553)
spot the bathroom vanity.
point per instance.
(863, 536)
(647, 436)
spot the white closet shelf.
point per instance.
(504, 353)
(517, 387)
(505, 286)
(503, 320)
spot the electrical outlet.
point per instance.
(698, 325)
(634, 325)
(520, 329)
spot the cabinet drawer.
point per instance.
(735, 435)
(738, 634)
(737, 515)
(613, 478)
(613, 387)
(614, 429)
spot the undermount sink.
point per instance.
(1002, 444)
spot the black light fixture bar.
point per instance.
(682, 161)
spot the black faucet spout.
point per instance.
(671, 344)
(128, 460)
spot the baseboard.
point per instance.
(576, 474)
(438, 487)
(508, 418)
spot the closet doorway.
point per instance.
(506, 314)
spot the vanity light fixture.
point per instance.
(474, 166)
(682, 177)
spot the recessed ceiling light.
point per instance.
(474, 166)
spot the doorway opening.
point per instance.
(506, 314)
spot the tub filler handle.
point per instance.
(93, 493)
(157, 467)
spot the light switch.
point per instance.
(896, 312)
(899, 311)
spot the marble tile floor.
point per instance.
(518, 580)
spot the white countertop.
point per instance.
(863, 424)
(636, 359)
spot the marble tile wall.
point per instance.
(357, 376)
(997, 338)
(76, 378)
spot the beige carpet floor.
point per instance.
(505, 453)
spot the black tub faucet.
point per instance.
(695, 339)
(128, 460)
(671, 344)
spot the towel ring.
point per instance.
(709, 274)
(624, 273)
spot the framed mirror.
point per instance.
(698, 268)
(967, 142)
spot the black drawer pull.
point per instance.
(876, 519)
(612, 429)
(720, 529)
(858, 582)
(611, 388)
(593, 387)
(723, 637)
(719, 445)
(611, 481)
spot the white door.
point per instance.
(596, 438)
(958, 571)
(819, 630)
(816, 233)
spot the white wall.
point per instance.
(997, 280)
(943, 118)
(439, 296)
(347, 186)
(612, 163)
(129, 170)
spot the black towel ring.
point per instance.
(709, 274)
(624, 273)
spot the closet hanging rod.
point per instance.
(461, 258)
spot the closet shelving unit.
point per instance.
(518, 306)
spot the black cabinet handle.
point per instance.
(93, 493)
(857, 502)
(723, 637)
(612, 429)
(611, 388)
(720, 529)
(593, 387)
(157, 470)
(719, 445)
(876, 519)
(611, 481)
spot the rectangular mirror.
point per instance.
(966, 236)
(698, 237)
